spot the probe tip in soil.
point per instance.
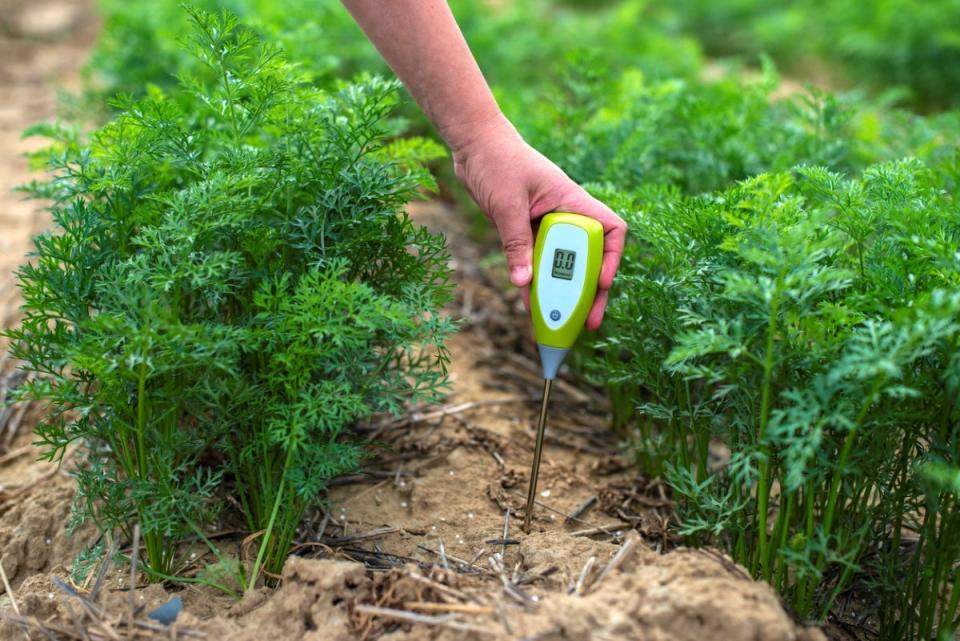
(537, 451)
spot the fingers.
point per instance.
(595, 317)
(614, 237)
(613, 241)
(517, 238)
(614, 234)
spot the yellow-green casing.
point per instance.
(566, 335)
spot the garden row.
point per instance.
(911, 47)
(231, 287)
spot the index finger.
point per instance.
(614, 236)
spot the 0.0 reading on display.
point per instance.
(563, 262)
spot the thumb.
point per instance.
(517, 238)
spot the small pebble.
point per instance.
(450, 472)
(545, 493)
(469, 515)
(50, 595)
(403, 504)
(49, 541)
(343, 517)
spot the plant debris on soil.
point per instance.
(424, 542)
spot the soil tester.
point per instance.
(566, 267)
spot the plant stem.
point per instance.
(763, 489)
(782, 529)
(267, 535)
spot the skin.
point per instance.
(510, 180)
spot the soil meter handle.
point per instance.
(566, 266)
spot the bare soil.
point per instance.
(419, 544)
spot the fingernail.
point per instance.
(520, 275)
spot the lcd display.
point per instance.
(563, 262)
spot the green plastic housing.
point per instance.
(566, 334)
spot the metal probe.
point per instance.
(537, 451)
(566, 267)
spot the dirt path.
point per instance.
(420, 533)
(42, 46)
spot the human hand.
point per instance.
(515, 185)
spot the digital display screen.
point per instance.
(563, 262)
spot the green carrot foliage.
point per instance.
(809, 323)
(231, 283)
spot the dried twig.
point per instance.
(509, 588)
(464, 608)
(322, 528)
(6, 586)
(361, 536)
(502, 613)
(584, 573)
(13, 426)
(503, 542)
(601, 529)
(633, 539)
(440, 587)
(463, 563)
(417, 417)
(411, 617)
(14, 454)
(580, 510)
(102, 570)
(443, 556)
(506, 531)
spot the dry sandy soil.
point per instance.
(419, 544)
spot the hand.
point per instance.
(515, 185)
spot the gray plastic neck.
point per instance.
(550, 360)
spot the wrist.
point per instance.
(469, 137)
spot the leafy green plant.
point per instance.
(628, 131)
(232, 282)
(140, 41)
(632, 132)
(138, 46)
(881, 44)
(810, 323)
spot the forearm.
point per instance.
(422, 43)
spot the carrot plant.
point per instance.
(630, 131)
(230, 284)
(880, 44)
(811, 323)
(140, 41)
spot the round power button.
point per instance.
(555, 315)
